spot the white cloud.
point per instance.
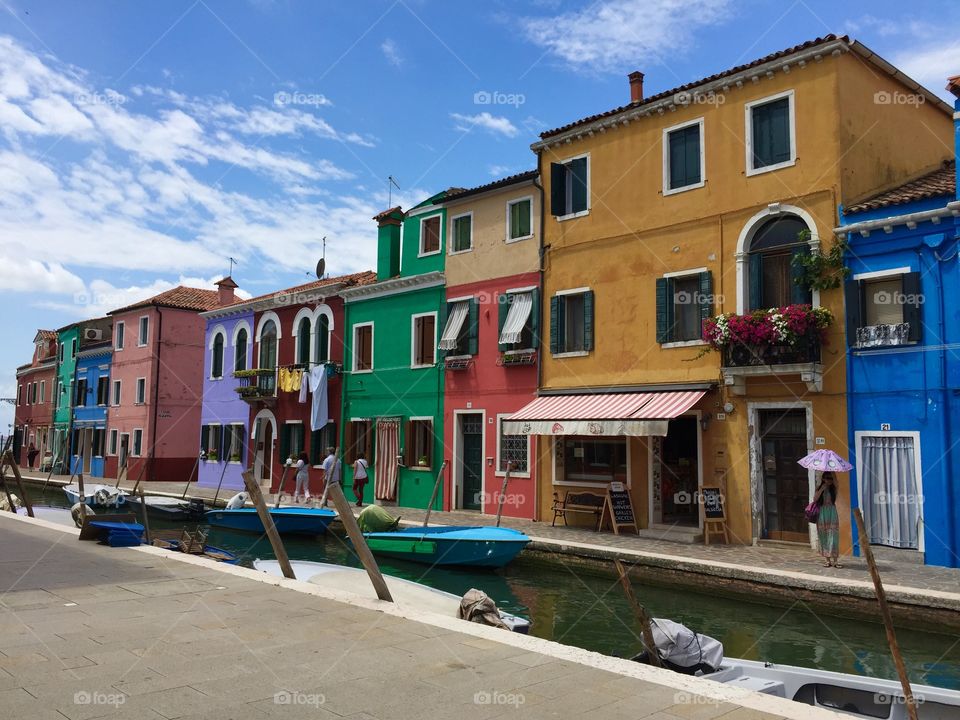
(931, 66)
(24, 274)
(621, 35)
(495, 124)
(389, 49)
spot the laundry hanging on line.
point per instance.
(290, 379)
(315, 380)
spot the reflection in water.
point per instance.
(572, 605)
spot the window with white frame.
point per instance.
(216, 360)
(19, 394)
(683, 157)
(684, 300)
(303, 331)
(141, 394)
(118, 336)
(116, 392)
(424, 340)
(461, 236)
(518, 322)
(234, 438)
(570, 187)
(113, 442)
(884, 308)
(144, 329)
(419, 443)
(137, 443)
(514, 449)
(363, 347)
(211, 440)
(770, 133)
(430, 235)
(571, 322)
(774, 274)
(43, 390)
(519, 219)
(240, 351)
(461, 333)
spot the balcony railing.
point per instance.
(806, 351)
(256, 385)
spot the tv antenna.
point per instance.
(391, 184)
(233, 262)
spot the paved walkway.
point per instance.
(88, 631)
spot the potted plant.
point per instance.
(212, 455)
(234, 457)
(422, 462)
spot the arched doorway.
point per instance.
(264, 434)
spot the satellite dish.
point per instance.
(321, 268)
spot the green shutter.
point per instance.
(535, 318)
(706, 297)
(284, 443)
(578, 172)
(912, 305)
(204, 435)
(853, 301)
(473, 326)
(556, 339)
(316, 447)
(504, 301)
(756, 281)
(524, 218)
(664, 309)
(799, 294)
(588, 320)
(225, 445)
(558, 189)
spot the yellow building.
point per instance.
(688, 204)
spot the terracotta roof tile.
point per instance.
(495, 185)
(386, 213)
(353, 280)
(690, 86)
(941, 182)
(47, 334)
(953, 85)
(180, 297)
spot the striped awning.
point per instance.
(448, 340)
(634, 414)
(517, 317)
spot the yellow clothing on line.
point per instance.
(290, 379)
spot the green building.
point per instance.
(69, 341)
(393, 382)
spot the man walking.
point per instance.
(331, 473)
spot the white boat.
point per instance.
(168, 507)
(405, 593)
(96, 495)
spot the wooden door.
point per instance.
(783, 441)
(471, 460)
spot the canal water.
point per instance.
(574, 606)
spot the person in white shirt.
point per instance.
(303, 478)
(331, 473)
(359, 477)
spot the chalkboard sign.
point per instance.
(712, 498)
(620, 507)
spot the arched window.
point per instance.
(240, 352)
(216, 366)
(322, 353)
(772, 273)
(303, 342)
(268, 345)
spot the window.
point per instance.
(99, 436)
(144, 328)
(137, 442)
(363, 347)
(216, 362)
(772, 272)
(519, 315)
(19, 394)
(514, 449)
(683, 157)
(462, 233)
(113, 442)
(61, 353)
(28, 394)
(233, 440)
(322, 339)
(118, 336)
(461, 332)
(320, 440)
(424, 340)
(303, 342)
(73, 348)
(358, 440)
(240, 352)
(890, 488)
(141, 396)
(291, 441)
(419, 449)
(59, 400)
(43, 390)
(211, 441)
(80, 394)
(268, 345)
(684, 301)
(116, 392)
(570, 187)
(586, 459)
(430, 235)
(884, 308)
(519, 219)
(770, 134)
(571, 322)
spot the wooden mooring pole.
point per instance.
(646, 623)
(12, 462)
(256, 494)
(503, 491)
(436, 490)
(143, 517)
(911, 703)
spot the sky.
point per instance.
(143, 144)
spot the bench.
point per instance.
(578, 502)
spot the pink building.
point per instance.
(156, 383)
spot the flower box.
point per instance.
(778, 336)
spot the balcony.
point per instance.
(258, 385)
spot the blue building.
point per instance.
(903, 364)
(91, 395)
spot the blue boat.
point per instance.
(118, 534)
(290, 520)
(214, 553)
(491, 547)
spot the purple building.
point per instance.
(225, 416)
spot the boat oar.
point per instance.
(503, 491)
(436, 490)
(256, 494)
(646, 624)
(885, 613)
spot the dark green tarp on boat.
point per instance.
(374, 518)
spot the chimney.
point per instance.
(225, 290)
(953, 86)
(388, 243)
(636, 86)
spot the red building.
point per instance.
(294, 331)
(33, 416)
(491, 340)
